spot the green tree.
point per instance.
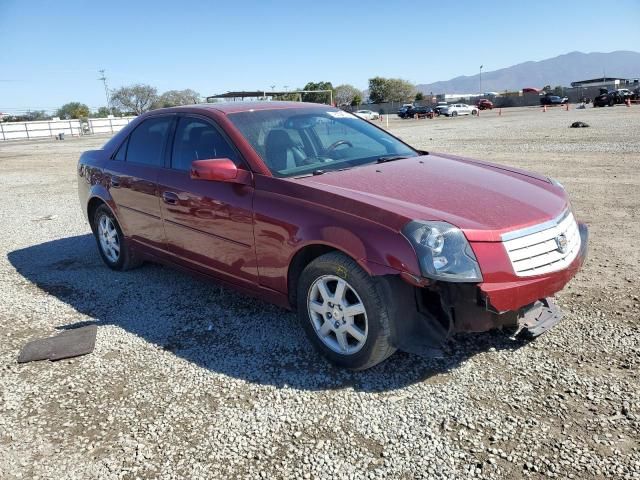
(34, 115)
(344, 94)
(390, 90)
(174, 98)
(317, 97)
(73, 110)
(288, 97)
(102, 112)
(138, 98)
(357, 100)
(377, 89)
(399, 90)
(419, 97)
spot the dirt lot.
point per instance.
(189, 380)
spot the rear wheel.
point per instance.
(342, 312)
(112, 244)
(474, 112)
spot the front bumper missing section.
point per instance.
(427, 317)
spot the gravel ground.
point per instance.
(190, 380)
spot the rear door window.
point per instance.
(147, 141)
(197, 139)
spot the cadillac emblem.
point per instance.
(562, 243)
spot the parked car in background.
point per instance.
(624, 92)
(403, 110)
(484, 104)
(421, 112)
(367, 114)
(553, 100)
(608, 98)
(376, 245)
(438, 108)
(459, 109)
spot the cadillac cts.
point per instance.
(378, 246)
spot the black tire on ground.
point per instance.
(127, 258)
(454, 114)
(377, 346)
(474, 112)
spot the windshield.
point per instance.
(303, 141)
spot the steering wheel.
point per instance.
(335, 145)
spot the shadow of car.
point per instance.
(214, 327)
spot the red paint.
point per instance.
(243, 226)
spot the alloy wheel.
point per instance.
(109, 239)
(337, 314)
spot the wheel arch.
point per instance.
(92, 205)
(309, 252)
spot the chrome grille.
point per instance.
(543, 248)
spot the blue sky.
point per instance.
(50, 51)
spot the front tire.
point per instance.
(454, 114)
(341, 310)
(113, 246)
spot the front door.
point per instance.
(208, 224)
(133, 176)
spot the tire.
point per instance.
(474, 112)
(454, 114)
(114, 248)
(320, 312)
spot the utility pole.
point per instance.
(481, 80)
(106, 89)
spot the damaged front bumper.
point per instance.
(426, 316)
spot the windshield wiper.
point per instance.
(390, 158)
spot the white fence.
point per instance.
(52, 128)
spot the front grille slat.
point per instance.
(536, 252)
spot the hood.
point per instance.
(483, 199)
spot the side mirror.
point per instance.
(220, 170)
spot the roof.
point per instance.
(599, 79)
(234, 107)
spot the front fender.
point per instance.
(285, 225)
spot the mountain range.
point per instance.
(560, 70)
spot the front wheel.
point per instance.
(342, 312)
(454, 114)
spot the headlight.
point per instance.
(443, 251)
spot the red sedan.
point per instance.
(378, 246)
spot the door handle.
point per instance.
(115, 181)
(170, 198)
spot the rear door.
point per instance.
(133, 174)
(208, 224)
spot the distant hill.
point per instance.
(560, 70)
